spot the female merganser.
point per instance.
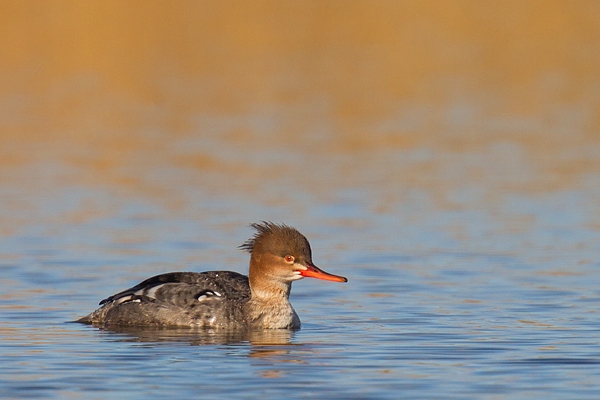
(279, 255)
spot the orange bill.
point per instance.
(313, 272)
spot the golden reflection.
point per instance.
(114, 89)
(539, 324)
(161, 63)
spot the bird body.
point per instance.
(279, 255)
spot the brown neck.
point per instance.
(263, 284)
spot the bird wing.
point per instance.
(185, 288)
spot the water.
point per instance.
(457, 186)
(476, 300)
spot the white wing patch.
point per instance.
(123, 299)
(143, 292)
(208, 295)
(151, 292)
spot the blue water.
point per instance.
(474, 277)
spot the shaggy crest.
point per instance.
(276, 238)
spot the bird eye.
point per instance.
(289, 259)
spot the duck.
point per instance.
(279, 255)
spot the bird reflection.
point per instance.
(195, 337)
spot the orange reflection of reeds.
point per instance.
(115, 79)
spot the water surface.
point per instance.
(443, 157)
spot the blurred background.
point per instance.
(443, 155)
(294, 98)
(160, 128)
